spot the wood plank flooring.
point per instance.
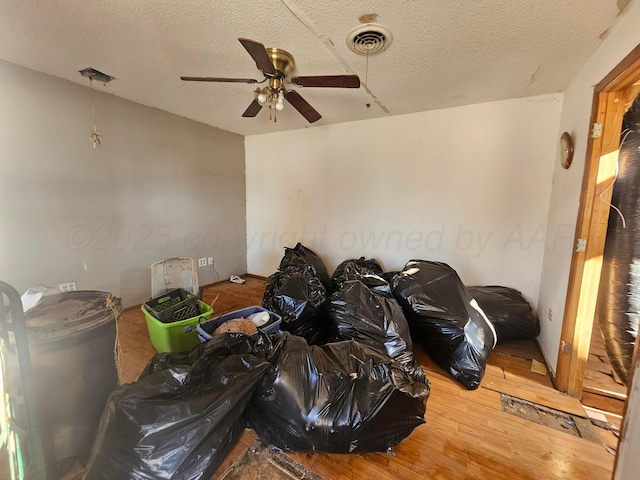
(599, 374)
(600, 389)
(467, 435)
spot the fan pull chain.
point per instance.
(366, 70)
(273, 114)
(94, 135)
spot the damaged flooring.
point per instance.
(259, 462)
(602, 390)
(467, 434)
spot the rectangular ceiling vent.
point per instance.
(96, 75)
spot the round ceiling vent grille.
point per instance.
(369, 38)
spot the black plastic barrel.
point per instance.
(72, 339)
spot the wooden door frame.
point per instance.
(610, 100)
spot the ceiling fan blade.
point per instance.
(253, 109)
(259, 54)
(219, 79)
(331, 81)
(300, 104)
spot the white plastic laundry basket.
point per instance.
(172, 273)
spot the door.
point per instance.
(612, 96)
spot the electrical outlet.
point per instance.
(202, 262)
(210, 260)
(67, 287)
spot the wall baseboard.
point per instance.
(552, 374)
(251, 275)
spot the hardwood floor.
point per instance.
(467, 434)
(601, 390)
(599, 374)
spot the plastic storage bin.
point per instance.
(176, 336)
(173, 306)
(172, 273)
(205, 329)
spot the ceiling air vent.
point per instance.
(369, 38)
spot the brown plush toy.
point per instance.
(237, 325)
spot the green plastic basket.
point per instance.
(177, 336)
(173, 306)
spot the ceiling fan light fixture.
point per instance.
(276, 65)
(280, 101)
(369, 38)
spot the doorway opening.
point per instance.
(580, 337)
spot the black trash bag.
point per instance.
(182, 417)
(374, 320)
(618, 305)
(301, 255)
(368, 272)
(342, 398)
(389, 276)
(445, 319)
(508, 311)
(299, 297)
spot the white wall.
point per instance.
(467, 185)
(567, 184)
(159, 186)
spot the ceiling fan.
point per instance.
(276, 64)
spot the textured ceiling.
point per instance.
(444, 53)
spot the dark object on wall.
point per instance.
(508, 311)
(618, 305)
(72, 337)
(182, 417)
(445, 319)
(375, 320)
(342, 398)
(299, 297)
(368, 272)
(301, 255)
(566, 150)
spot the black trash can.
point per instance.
(72, 339)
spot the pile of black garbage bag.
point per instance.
(459, 326)
(187, 410)
(341, 376)
(426, 301)
(299, 292)
(183, 415)
(341, 397)
(368, 272)
(359, 313)
(447, 321)
(510, 314)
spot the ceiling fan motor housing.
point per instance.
(282, 60)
